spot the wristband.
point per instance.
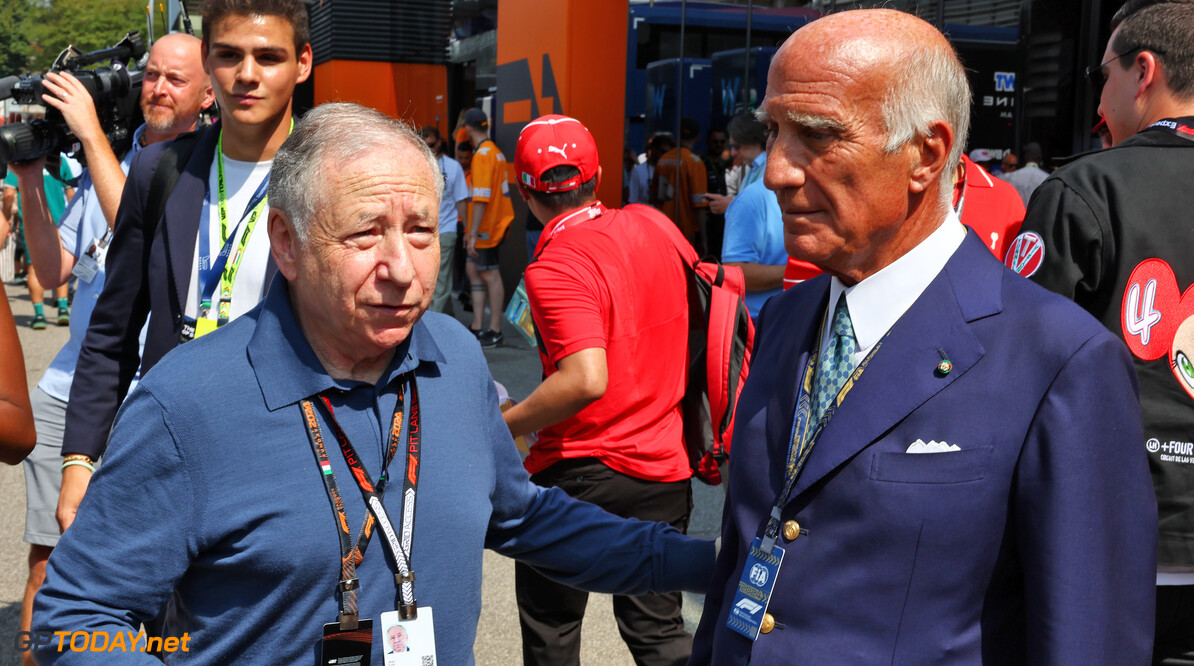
(80, 463)
(78, 456)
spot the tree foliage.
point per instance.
(14, 36)
(88, 25)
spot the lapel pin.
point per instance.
(945, 365)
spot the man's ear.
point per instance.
(305, 60)
(283, 243)
(929, 156)
(1148, 72)
(209, 97)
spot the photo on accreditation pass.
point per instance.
(410, 642)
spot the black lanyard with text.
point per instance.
(400, 550)
(1183, 127)
(803, 437)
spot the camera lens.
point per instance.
(25, 141)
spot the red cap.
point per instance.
(551, 141)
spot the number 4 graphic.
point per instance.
(1139, 315)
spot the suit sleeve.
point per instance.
(134, 538)
(110, 354)
(1085, 516)
(1078, 244)
(580, 544)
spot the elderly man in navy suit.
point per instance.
(935, 460)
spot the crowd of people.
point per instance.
(934, 458)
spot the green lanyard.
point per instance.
(228, 276)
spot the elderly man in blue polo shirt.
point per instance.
(248, 473)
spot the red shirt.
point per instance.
(615, 282)
(992, 207)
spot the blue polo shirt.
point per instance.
(755, 234)
(211, 504)
(82, 224)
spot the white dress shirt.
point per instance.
(880, 300)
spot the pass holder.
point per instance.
(341, 647)
(88, 265)
(408, 641)
(753, 595)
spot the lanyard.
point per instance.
(1175, 126)
(373, 495)
(590, 212)
(803, 437)
(220, 271)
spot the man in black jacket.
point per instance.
(201, 264)
(1112, 231)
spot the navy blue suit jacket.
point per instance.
(148, 272)
(1035, 543)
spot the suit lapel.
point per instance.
(184, 208)
(902, 374)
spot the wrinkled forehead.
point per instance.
(398, 175)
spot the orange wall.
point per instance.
(585, 41)
(418, 93)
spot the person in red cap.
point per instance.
(609, 300)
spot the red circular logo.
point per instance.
(1026, 254)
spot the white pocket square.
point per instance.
(919, 446)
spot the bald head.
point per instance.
(175, 88)
(905, 65)
(868, 111)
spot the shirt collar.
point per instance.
(759, 161)
(880, 300)
(287, 368)
(138, 137)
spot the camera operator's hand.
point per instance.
(28, 170)
(76, 106)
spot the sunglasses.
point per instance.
(1098, 76)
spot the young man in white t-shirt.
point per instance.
(171, 270)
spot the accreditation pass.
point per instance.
(754, 589)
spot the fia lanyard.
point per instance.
(804, 436)
(400, 549)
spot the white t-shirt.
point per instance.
(241, 180)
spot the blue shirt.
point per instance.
(755, 234)
(82, 223)
(455, 191)
(755, 173)
(211, 503)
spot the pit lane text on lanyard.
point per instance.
(759, 574)
(400, 550)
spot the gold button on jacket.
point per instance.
(791, 530)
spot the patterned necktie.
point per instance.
(837, 364)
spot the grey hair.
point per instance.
(331, 134)
(929, 85)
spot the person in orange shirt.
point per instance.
(489, 218)
(679, 184)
